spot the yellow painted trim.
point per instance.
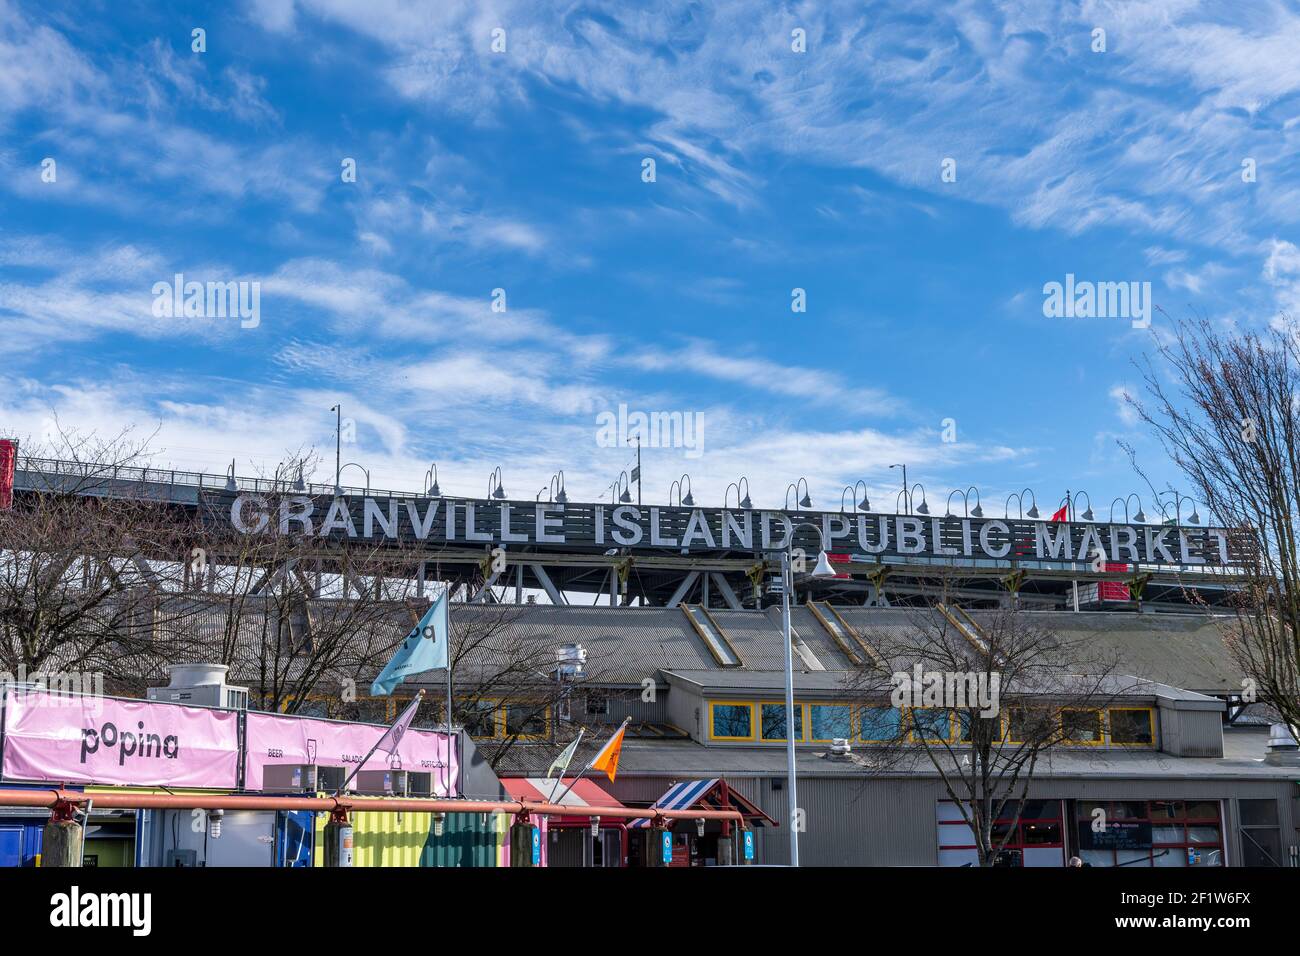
(753, 723)
(1151, 727)
(857, 717)
(1101, 727)
(803, 721)
(825, 703)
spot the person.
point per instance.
(1075, 861)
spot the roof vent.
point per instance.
(1282, 747)
(840, 749)
(570, 661)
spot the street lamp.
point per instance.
(231, 485)
(923, 508)
(1069, 502)
(1140, 518)
(431, 481)
(1179, 498)
(977, 512)
(556, 489)
(338, 489)
(804, 502)
(494, 484)
(822, 570)
(622, 487)
(909, 504)
(744, 502)
(682, 483)
(1020, 504)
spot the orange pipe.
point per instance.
(235, 801)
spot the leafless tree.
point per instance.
(1225, 407)
(89, 561)
(981, 704)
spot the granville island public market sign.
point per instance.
(442, 521)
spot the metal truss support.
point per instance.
(552, 592)
(728, 595)
(683, 589)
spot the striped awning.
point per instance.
(585, 793)
(707, 795)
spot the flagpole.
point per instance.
(560, 779)
(367, 757)
(626, 721)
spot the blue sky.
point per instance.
(522, 170)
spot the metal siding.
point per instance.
(389, 838)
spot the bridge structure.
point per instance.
(498, 550)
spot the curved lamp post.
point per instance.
(431, 482)
(622, 488)
(978, 512)
(1179, 498)
(338, 489)
(1069, 503)
(1020, 504)
(744, 502)
(682, 483)
(494, 484)
(1140, 518)
(555, 490)
(804, 502)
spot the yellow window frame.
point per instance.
(911, 726)
(753, 722)
(802, 718)
(1101, 727)
(857, 722)
(504, 723)
(807, 720)
(1151, 728)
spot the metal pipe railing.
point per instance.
(52, 798)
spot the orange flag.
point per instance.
(607, 759)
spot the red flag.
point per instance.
(1063, 514)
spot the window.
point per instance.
(527, 720)
(481, 720)
(731, 720)
(830, 721)
(879, 724)
(773, 716)
(1166, 833)
(1261, 838)
(597, 705)
(1081, 726)
(930, 724)
(1033, 725)
(1131, 726)
(1036, 839)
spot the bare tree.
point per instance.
(90, 563)
(982, 705)
(1225, 407)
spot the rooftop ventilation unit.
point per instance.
(840, 749)
(201, 685)
(570, 661)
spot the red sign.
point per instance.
(834, 558)
(8, 461)
(1113, 590)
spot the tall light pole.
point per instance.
(822, 570)
(338, 447)
(906, 496)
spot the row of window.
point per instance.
(483, 718)
(765, 722)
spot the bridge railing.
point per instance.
(91, 474)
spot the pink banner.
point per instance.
(274, 739)
(60, 738)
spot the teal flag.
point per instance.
(424, 649)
